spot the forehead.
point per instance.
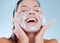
(29, 3)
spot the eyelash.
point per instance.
(23, 10)
(36, 10)
(27, 10)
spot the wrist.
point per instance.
(38, 41)
(25, 41)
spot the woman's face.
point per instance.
(30, 15)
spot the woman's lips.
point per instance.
(31, 21)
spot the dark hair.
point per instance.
(13, 37)
(17, 7)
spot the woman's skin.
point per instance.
(25, 36)
(28, 38)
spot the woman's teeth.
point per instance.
(31, 20)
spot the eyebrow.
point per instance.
(27, 6)
(23, 6)
(36, 6)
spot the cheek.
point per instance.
(20, 14)
(41, 16)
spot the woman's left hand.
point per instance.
(40, 35)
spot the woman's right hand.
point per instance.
(23, 38)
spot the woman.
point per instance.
(27, 20)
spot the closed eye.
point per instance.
(23, 10)
(36, 10)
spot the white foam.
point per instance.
(22, 19)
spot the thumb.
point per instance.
(46, 26)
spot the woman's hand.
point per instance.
(40, 35)
(19, 32)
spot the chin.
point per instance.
(34, 29)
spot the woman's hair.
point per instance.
(13, 36)
(18, 6)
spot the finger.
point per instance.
(19, 36)
(14, 31)
(16, 24)
(51, 23)
(45, 27)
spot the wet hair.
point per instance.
(13, 37)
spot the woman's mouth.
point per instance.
(31, 21)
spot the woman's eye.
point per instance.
(36, 10)
(23, 10)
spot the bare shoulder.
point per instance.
(4, 40)
(50, 41)
(53, 41)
